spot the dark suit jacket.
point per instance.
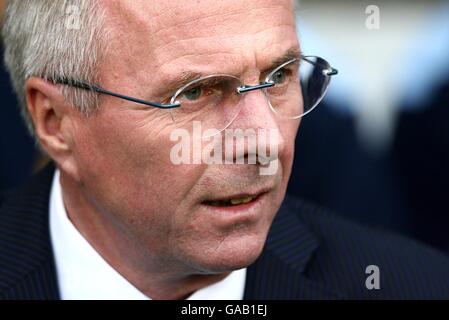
(310, 254)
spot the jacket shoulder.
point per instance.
(349, 252)
(26, 261)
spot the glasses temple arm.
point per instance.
(89, 87)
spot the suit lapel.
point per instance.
(279, 273)
(27, 269)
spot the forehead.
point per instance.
(167, 36)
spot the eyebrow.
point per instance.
(183, 79)
(291, 54)
(188, 76)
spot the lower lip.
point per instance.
(244, 208)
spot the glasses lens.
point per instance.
(212, 100)
(300, 85)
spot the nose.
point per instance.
(256, 114)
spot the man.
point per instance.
(107, 92)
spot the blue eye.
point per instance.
(279, 77)
(193, 94)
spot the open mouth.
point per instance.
(231, 202)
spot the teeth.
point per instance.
(243, 200)
(230, 202)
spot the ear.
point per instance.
(52, 117)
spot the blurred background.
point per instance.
(377, 149)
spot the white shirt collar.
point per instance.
(84, 275)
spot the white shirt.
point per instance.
(84, 275)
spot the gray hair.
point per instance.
(54, 39)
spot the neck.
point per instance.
(157, 277)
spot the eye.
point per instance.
(279, 77)
(193, 94)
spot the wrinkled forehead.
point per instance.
(208, 33)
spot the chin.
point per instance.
(233, 253)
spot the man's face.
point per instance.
(123, 152)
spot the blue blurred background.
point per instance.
(377, 149)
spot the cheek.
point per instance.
(128, 158)
(289, 132)
(124, 142)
